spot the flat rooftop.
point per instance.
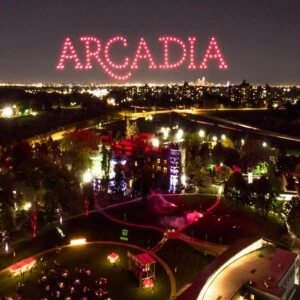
(264, 267)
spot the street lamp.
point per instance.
(155, 142)
(179, 134)
(201, 133)
(87, 176)
(214, 138)
(7, 112)
(264, 144)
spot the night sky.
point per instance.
(259, 39)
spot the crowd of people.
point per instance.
(57, 281)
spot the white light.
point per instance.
(27, 206)
(202, 133)
(243, 142)
(264, 144)
(155, 142)
(179, 134)
(77, 242)
(214, 138)
(183, 179)
(7, 112)
(87, 176)
(223, 137)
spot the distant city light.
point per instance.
(264, 144)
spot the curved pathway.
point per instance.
(131, 224)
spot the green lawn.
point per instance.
(121, 283)
(144, 214)
(226, 224)
(185, 260)
(94, 228)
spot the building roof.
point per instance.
(21, 264)
(271, 268)
(144, 259)
(265, 268)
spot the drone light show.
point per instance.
(98, 56)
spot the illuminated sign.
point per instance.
(77, 242)
(124, 235)
(92, 47)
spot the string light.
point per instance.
(179, 42)
(68, 53)
(217, 55)
(147, 55)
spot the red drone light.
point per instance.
(93, 50)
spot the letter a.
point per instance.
(68, 53)
(216, 55)
(146, 55)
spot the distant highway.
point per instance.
(255, 129)
(216, 121)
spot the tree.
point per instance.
(218, 153)
(119, 180)
(222, 175)
(261, 168)
(131, 129)
(263, 195)
(76, 148)
(236, 189)
(20, 153)
(293, 217)
(6, 202)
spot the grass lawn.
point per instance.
(93, 228)
(183, 259)
(144, 214)
(200, 202)
(121, 283)
(225, 225)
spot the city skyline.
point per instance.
(257, 40)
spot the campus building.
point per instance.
(250, 269)
(165, 161)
